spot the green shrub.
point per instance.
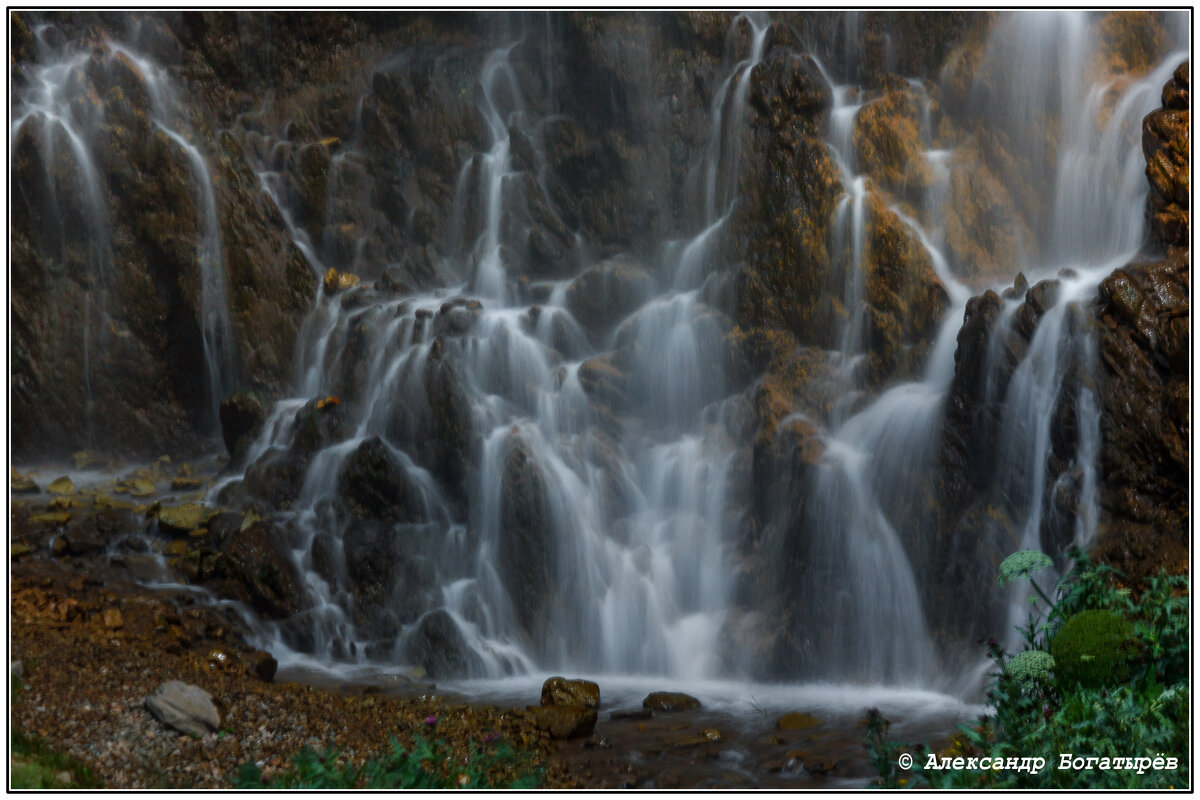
(1141, 708)
(426, 765)
(1093, 649)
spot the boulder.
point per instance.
(185, 708)
(525, 558)
(670, 701)
(257, 567)
(437, 645)
(606, 294)
(559, 691)
(373, 486)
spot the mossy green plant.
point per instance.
(1093, 649)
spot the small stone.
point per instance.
(60, 503)
(18, 549)
(103, 502)
(176, 549)
(113, 619)
(185, 708)
(187, 484)
(712, 734)
(61, 485)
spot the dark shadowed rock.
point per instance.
(607, 293)
(526, 554)
(242, 417)
(438, 646)
(257, 568)
(373, 486)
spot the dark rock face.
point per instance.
(1145, 418)
(1145, 394)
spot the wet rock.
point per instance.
(20, 484)
(564, 722)
(182, 519)
(604, 381)
(261, 665)
(185, 708)
(1166, 145)
(112, 619)
(257, 568)
(61, 485)
(372, 485)
(438, 646)
(526, 557)
(1143, 391)
(670, 701)
(605, 294)
(559, 691)
(242, 416)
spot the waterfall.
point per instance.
(868, 543)
(587, 543)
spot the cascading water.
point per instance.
(869, 541)
(589, 546)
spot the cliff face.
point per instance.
(1143, 322)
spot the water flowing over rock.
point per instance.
(695, 345)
